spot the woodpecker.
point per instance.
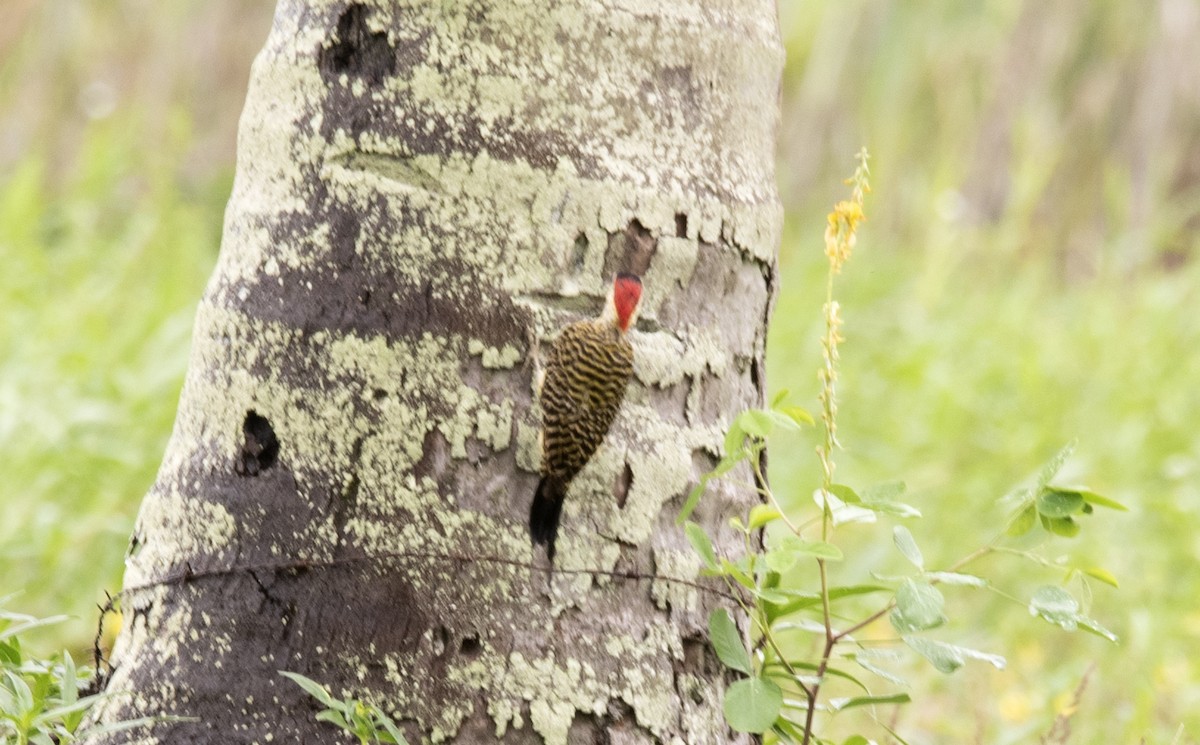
(587, 369)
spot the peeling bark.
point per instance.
(425, 193)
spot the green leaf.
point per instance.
(781, 561)
(801, 600)
(1064, 526)
(908, 546)
(1055, 504)
(68, 680)
(899, 509)
(887, 675)
(390, 727)
(1093, 627)
(739, 575)
(692, 500)
(1055, 605)
(1092, 497)
(774, 597)
(10, 653)
(22, 695)
(94, 731)
(761, 514)
(918, 606)
(779, 398)
(798, 415)
(735, 437)
(829, 671)
(856, 740)
(1022, 522)
(944, 657)
(995, 660)
(1101, 574)
(787, 731)
(26, 623)
(727, 641)
(755, 422)
(780, 419)
(884, 492)
(816, 549)
(62, 712)
(844, 493)
(889, 506)
(699, 540)
(841, 704)
(947, 658)
(724, 466)
(752, 705)
(312, 687)
(333, 717)
(956, 578)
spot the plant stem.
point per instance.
(828, 376)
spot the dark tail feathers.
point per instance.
(545, 511)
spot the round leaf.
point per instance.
(752, 705)
(1056, 503)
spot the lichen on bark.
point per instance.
(425, 193)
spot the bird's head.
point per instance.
(623, 300)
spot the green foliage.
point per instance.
(40, 701)
(780, 605)
(753, 704)
(727, 642)
(366, 722)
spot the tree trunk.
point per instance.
(425, 193)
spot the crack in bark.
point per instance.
(344, 503)
(264, 590)
(302, 565)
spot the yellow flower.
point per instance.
(840, 233)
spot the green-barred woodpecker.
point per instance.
(587, 370)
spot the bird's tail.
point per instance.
(545, 511)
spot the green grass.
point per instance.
(983, 332)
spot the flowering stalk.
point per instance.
(840, 237)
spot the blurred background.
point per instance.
(1027, 276)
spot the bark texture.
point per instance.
(425, 192)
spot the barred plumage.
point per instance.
(587, 371)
